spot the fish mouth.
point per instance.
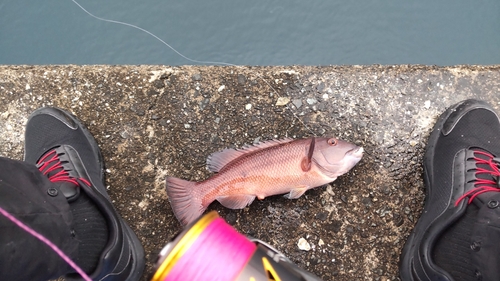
(356, 152)
(350, 159)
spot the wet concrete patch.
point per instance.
(153, 121)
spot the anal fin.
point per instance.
(296, 192)
(236, 201)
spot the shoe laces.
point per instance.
(51, 166)
(487, 176)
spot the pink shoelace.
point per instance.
(50, 163)
(490, 166)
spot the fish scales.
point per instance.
(273, 170)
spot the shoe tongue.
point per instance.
(485, 198)
(70, 190)
(61, 172)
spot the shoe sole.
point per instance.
(134, 243)
(441, 126)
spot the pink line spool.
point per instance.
(210, 250)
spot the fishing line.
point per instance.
(189, 59)
(46, 241)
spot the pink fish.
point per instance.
(269, 168)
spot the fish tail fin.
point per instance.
(186, 207)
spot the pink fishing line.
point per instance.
(218, 254)
(46, 241)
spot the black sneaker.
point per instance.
(66, 152)
(458, 235)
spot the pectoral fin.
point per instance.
(296, 192)
(236, 201)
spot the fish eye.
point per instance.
(332, 141)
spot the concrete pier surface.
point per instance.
(153, 121)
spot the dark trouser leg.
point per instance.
(24, 194)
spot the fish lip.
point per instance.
(356, 152)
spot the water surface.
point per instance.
(257, 32)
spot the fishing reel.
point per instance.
(279, 267)
(210, 249)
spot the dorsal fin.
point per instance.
(217, 160)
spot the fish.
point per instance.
(290, 166)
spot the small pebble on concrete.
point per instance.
(303, 245)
